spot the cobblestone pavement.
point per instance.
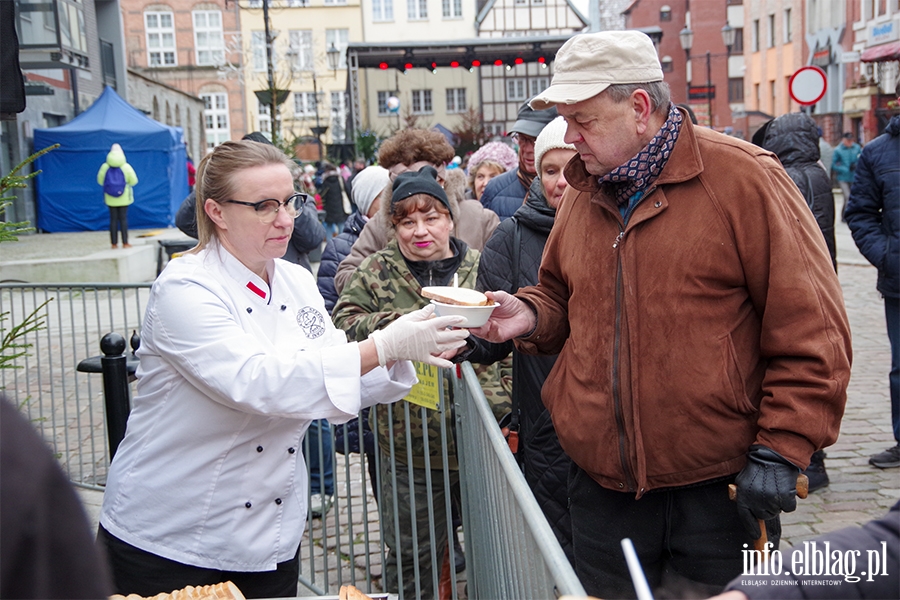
(858, 492)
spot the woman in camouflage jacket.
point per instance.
(385, 286)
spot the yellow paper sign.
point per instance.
(426, 392)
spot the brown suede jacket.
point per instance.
(713, 321)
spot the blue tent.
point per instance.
(68, 196)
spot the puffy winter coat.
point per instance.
(337, 249)
(843, 161)
(382, 289)
(504, 194)
(873, 212)
(794, 138)
(116, 158)
(546, 465)
(332, 197)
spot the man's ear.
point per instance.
(643, 109)
(214, 211)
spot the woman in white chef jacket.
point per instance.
(238, 355)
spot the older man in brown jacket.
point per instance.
(700, 327)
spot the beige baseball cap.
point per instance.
(589, 63)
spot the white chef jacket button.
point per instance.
(284, 307)
(249, 310)
(277, 500)
(291, 450)
(248, 505)
(259, 448)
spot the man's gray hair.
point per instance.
(658, 91)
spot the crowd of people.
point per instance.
(670, 322)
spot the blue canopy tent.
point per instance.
(68, 196)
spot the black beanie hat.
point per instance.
(422, 182)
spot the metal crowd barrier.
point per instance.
(509, 549)
(66, 406)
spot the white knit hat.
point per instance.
(367, 185)
(550, 139)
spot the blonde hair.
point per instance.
(473, 172)
(218, 172)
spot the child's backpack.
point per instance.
(114, 182)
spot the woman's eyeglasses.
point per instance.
(267, 210)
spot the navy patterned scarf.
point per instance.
(638, 174)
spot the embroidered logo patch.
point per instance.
(311, 322)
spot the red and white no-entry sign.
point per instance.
(808, 85)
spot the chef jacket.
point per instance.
(232, 372)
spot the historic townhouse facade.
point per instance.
(188, 45)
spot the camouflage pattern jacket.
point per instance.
(379, 291)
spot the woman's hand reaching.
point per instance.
(419, 336)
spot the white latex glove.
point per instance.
(419, 336)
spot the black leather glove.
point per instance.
(766, 487)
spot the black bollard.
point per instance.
(115, 388)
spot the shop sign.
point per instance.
(881, 33)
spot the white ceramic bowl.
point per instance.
(476, 316)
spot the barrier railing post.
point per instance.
(116, 390)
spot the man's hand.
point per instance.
(511, 319)
(765, 487)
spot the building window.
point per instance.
(452, 9)
(456, 100)
(335, 2)
(538, 85)
(258, 45)
(338, 37)
(301, 49)
(264, 119)
(297, 3)
(417, 10)
(665, 13)
(788, 30)
(755, 40)
(382, 104)
(666, 62)
(382, 10)
(215, 119)
(770, 32)
(738, 47)
(736, 90)
(516, 90)
(209, 45)
(160, 39)
(339, 116)
(304, 104)
(421, 102)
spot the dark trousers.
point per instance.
(136, 571)
(689, 540)
(118, 218)
(892, 315)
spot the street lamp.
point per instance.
(334, 57)
(686, 38)
(728, 33)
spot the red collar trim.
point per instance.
(253, 288)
